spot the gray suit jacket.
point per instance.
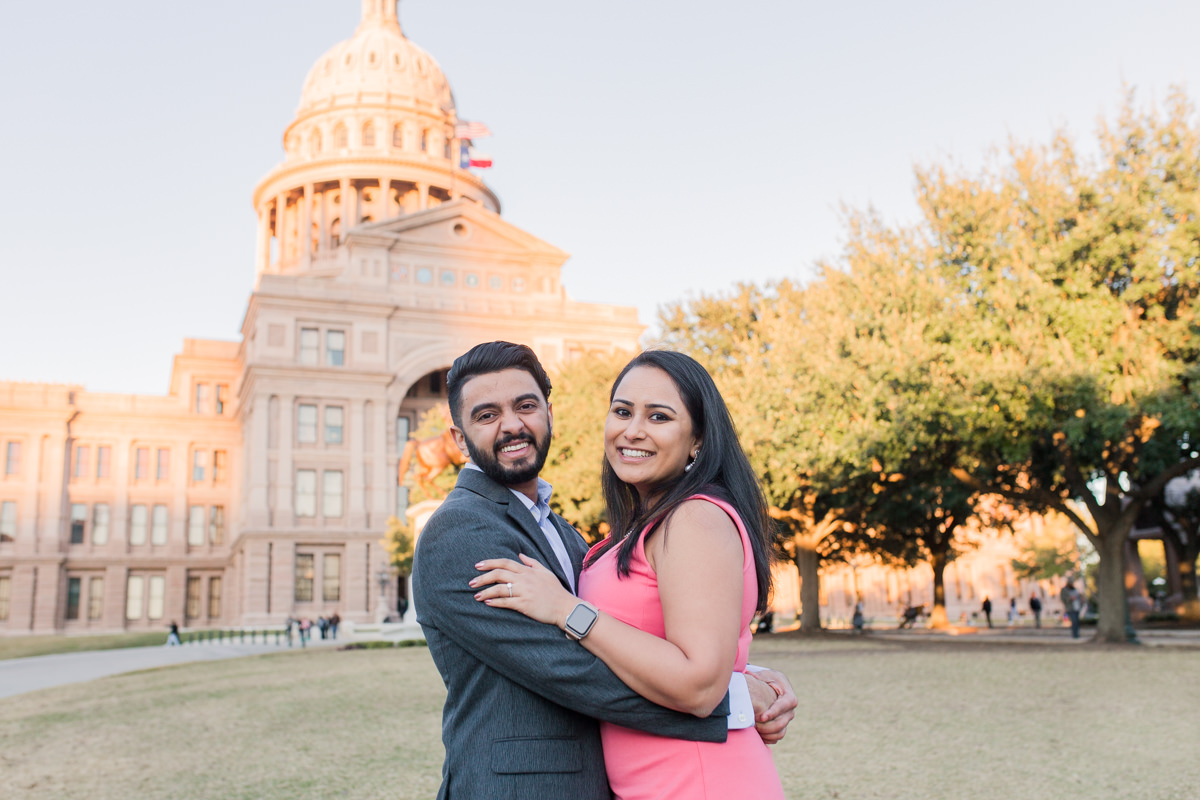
(522, 699)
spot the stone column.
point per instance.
(262, 254)
(280, 230)
(306, 227)
(255, 456)
(355, 486)
(385, 191)
(422, 196)
(285, 508)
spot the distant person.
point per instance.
(1072, 601)
(288, 627)
(1012, 612)
(334, 621)
(987, 610)
(766, 623)
(305, 627)
(323, 626)
(1035, 606)
(857, 620)
(173, 636)
(402, 607)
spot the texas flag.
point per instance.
(478, 159)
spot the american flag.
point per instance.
(471, 130)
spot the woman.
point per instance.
(677, 588)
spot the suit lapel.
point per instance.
(478, 482)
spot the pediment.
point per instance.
(458, 226)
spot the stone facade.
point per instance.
(260, 485)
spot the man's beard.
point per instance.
(511, 476)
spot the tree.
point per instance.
(398, 542)
(1048, 550)
(1178, 511)
(1087, 281)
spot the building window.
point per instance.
(192, 606)
(74, 585)
(310, 345)
(5, 594)
(195, 526)
(331, 578)
(222, 397)
(141, 463)
(134, 589)
(95, 598)
(83, 455)
(103, 461)
(8, 521)
(333, 424)
(100, 519)
(424, 275)
(304, 577)
(158, 525)
(158, 591)
(306, 493)
(335, 348)
(12, 458)
(331, 503)
(201, 398)
(306, 424)
(220, 459)
(199, 465)
(368, 134)
(340, 139)
(78, 522)
(424, 141)
(163, 470)
(137, 525)
(214, 598)
(398, 136)
(335, 232)
(216, 525)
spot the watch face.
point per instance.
(580, 619)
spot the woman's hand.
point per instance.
(527, 587)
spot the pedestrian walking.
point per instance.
(857, 620)
(1072, 600)
(1035, 606)
(173, 636)
(1012, 612)
(987, 610)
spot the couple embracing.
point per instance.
(571, 670)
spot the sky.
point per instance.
(673, 147)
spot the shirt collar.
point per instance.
(544, 490)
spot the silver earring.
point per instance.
(692, 463)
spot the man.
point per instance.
(1035, 606)
(1072, 602)
(522, 700)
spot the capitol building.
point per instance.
(259, 487)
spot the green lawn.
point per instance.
(910, 719)
(23, 646)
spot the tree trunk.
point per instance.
(808, 564)
(938, 618)
(1189, 611)
(1110, 581)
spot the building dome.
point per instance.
(376, 65)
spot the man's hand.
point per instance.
(774, 703)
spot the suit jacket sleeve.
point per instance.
(537, 656)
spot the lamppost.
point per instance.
(384, 576)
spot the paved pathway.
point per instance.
(20, 675)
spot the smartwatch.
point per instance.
(580, 620)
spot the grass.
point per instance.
(24, 646)
(896, 719)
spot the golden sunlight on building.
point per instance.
(260, 485)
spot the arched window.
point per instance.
(339, 136)
(398, 136)
(368, 135)
(367, 218)
(314, 141)
(424, 141)
(335, 232)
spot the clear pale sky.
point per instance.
(671, 146)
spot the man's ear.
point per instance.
(550, 414)
(460, 439)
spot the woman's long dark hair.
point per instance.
(721, 470)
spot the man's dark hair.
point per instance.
(483, 359)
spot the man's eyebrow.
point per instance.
(529, 396)
(484, 406)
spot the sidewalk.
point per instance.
(1050, 635)
(20, 675)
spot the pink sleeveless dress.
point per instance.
(642, 766)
